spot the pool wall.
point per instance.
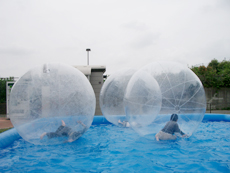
(9, 136)
(216, 117)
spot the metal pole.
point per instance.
(88, 55)
(210, 108)
(88, 58)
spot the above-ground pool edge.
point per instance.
(8, 137)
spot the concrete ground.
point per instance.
(6, 123)
(218, 111)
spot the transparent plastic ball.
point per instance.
(53, 99)
(112, 95)
(142, 100)
(182, 93)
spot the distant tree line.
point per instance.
(215, 75)
(3, 88)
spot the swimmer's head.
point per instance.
(174, 117)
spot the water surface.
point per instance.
(108, 148)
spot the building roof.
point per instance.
(87, 69)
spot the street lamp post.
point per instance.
(88, 55)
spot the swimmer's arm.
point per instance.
(71, 139)
(85, 127)
(119, 121)
(177, 129)
(82, 123)
(185, 135)
(124, 123)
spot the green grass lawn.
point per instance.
(3, 130)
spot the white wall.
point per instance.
(96, 80)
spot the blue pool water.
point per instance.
(108, 148)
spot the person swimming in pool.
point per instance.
(167, 133)
(63, 130)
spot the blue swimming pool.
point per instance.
(108, 148)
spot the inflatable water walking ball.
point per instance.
(112, 95)
(48, 95)
(142, 100)
(181, 92)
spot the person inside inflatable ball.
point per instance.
(64, 130)
(171, 127)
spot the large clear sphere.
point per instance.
(142, 101)
(112, 95)
(182, 93)
(47, 94)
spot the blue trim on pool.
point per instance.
(216, 117)
(9, 136)
(100, 120)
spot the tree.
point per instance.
(224, 68)
(214, 65)
(3, 88)
(215, 75)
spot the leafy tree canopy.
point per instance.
(215, 75)
(3, 88)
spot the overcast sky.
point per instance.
(120, 33)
